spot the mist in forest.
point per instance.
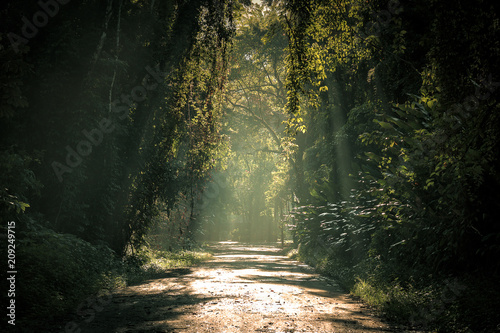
(360, 137)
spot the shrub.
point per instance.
(57, 271)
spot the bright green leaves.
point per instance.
(12, 202)
(296, 124)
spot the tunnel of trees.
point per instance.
(366, 132)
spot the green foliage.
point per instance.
(154, 72)
(258, 151)
(60, 270)
(400, 153)
(18, 182)
(63, 270)
(161, 141)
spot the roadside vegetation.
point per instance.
(413, 298)
(62, 271)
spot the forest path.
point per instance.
(246, 288)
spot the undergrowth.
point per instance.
(414, 299)
(59, 271)
(148, 263)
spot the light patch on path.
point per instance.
(246, 288)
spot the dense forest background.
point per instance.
(367, 132)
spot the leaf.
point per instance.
(373, 156)
(383, 124)
(400, 123)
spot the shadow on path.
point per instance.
(245, 288)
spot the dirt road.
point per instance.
(246, 288)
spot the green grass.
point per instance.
(407, 306)
(370, 294)
(148, 264)
(164, 260)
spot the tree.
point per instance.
(122, 116)
(376, 94)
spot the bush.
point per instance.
(57, 271)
